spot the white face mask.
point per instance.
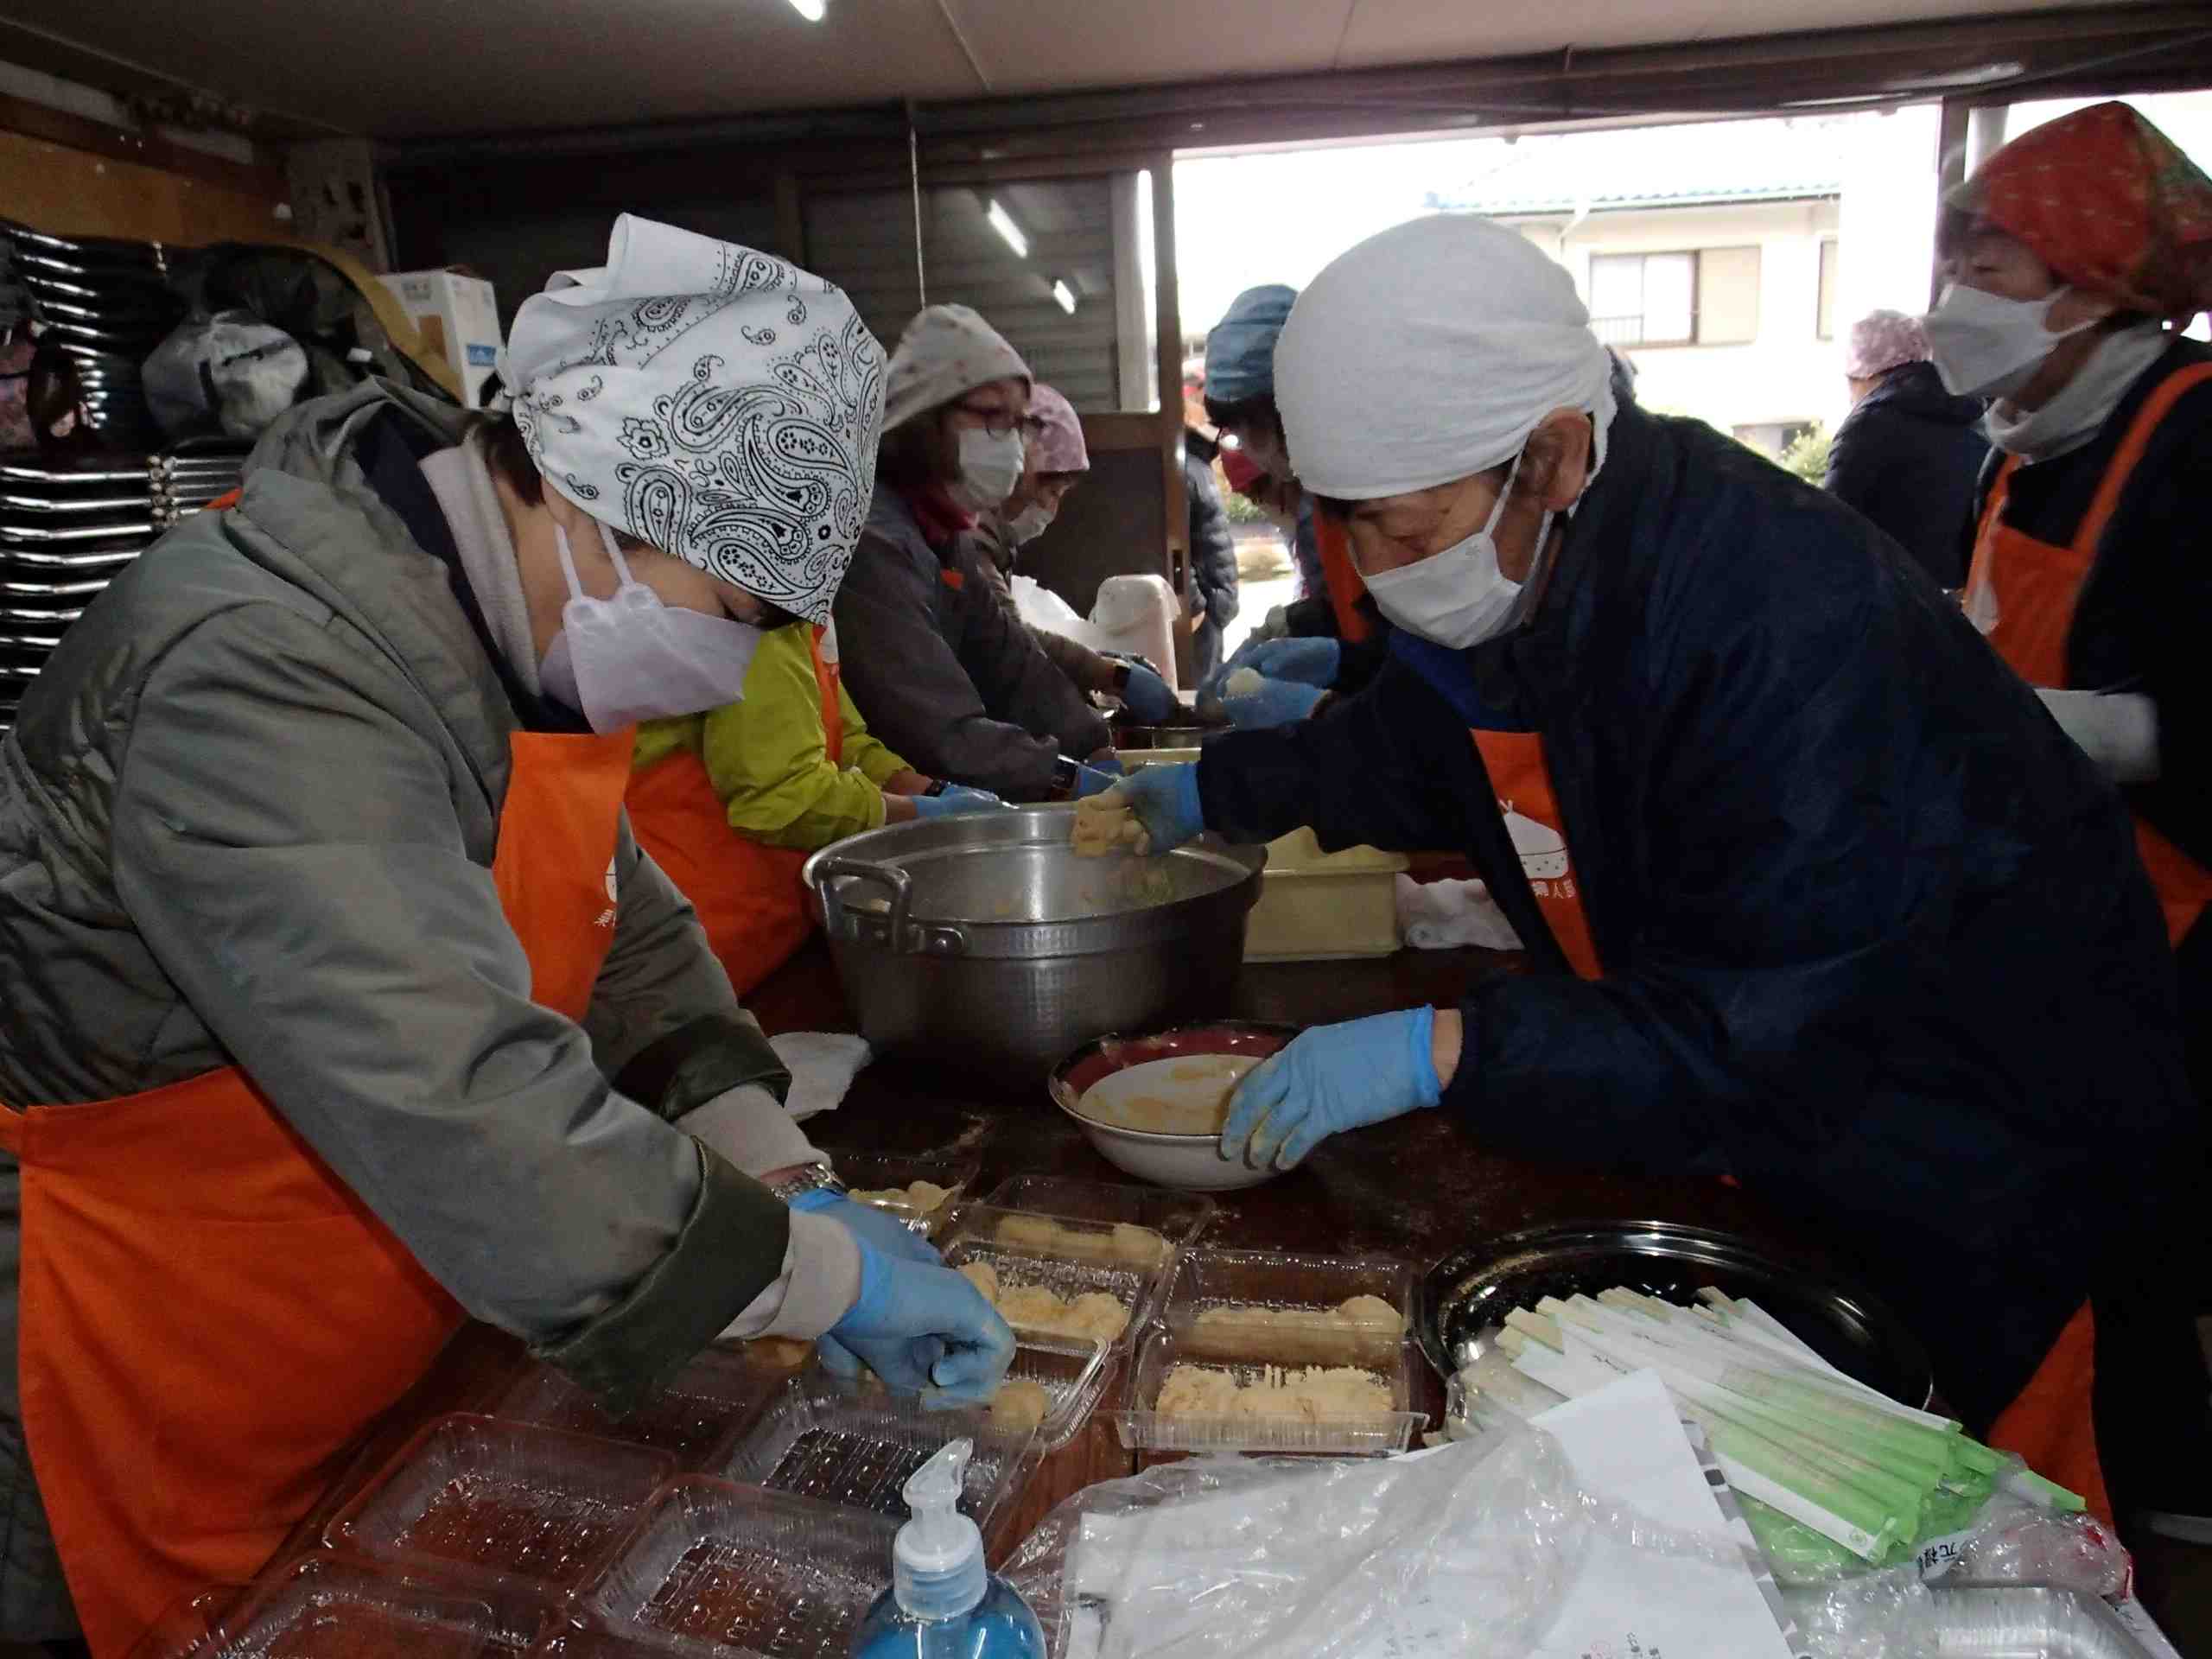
(631, 658)
(990, 466)
(1458, 597)
(1986, 346)
(1029, 524)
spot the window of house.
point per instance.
(1708, 297)
(1826, 327)
(1643, 299)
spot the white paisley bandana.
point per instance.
(711, 400)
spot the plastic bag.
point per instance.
(1844, 1611)
(1469, 1550)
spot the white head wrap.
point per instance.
(714, 402)
(1430, 353)
(947, 350)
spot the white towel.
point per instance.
(1444, 915)
(823, 1064)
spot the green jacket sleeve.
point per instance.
(769, 756)
(871, 759)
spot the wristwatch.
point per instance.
(936, 786)
(1121, 686)
(1066, 775)
(815, 1177)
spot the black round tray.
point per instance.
(1474, 1288)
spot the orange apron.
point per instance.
(2022, 593)
(2032, 588)
(1515, 761)
(1342, 576)
(209, 1316)
(748, 896)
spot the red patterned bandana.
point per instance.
(2109, 202)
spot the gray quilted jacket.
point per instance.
(247, 816)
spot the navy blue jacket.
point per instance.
(1908, 457)
(1875, 935)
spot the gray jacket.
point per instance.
(1091, 670)
(247, 816)
(939, 673)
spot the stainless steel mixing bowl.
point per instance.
(985, 943)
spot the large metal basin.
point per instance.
(983, 942)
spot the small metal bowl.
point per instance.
(1191, 1163)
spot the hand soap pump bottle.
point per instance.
(942, 1604)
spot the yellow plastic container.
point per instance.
(1315, 907)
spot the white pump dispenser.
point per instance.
(937, 1563)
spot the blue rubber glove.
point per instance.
(1330, 1079)
(1166, 802)
(1095, 781)
(919, 1327)
(954, 800)
(1149, 699)
(1273, 702)
(877, 1227)
(1307, 662)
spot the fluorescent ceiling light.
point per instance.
(1066, 296)
(1002, 222)
(812, 10)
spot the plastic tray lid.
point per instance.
(714, 1567)
(326, 1606)
(705, 1405)
(851, 1444)
(502, 1506)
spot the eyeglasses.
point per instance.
(997, 422)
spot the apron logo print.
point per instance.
(606, 918)
(1542, 848)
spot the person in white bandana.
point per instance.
(1814, 894)
(938, 668)
(343, 1004)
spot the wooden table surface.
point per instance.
(1417, 1187)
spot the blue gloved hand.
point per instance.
(918, 1326)
(953, 800)
(1330, 1079)
(1166, 802)
(871, 1226)
(1307, 661)
(1270, 703)
(1148, 698)
(1095, 781)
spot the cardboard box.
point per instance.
(459, 320)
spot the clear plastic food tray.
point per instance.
(878, 1171)
(717, 1568)
(501, 1506)
(1069, 1257)
(1071, 1371)
(1246, 1349)
(842, 1443)
(708, 1403)
(2005, 1621)
(330, 1609)
(1177, 1217)
(1213, 1287)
